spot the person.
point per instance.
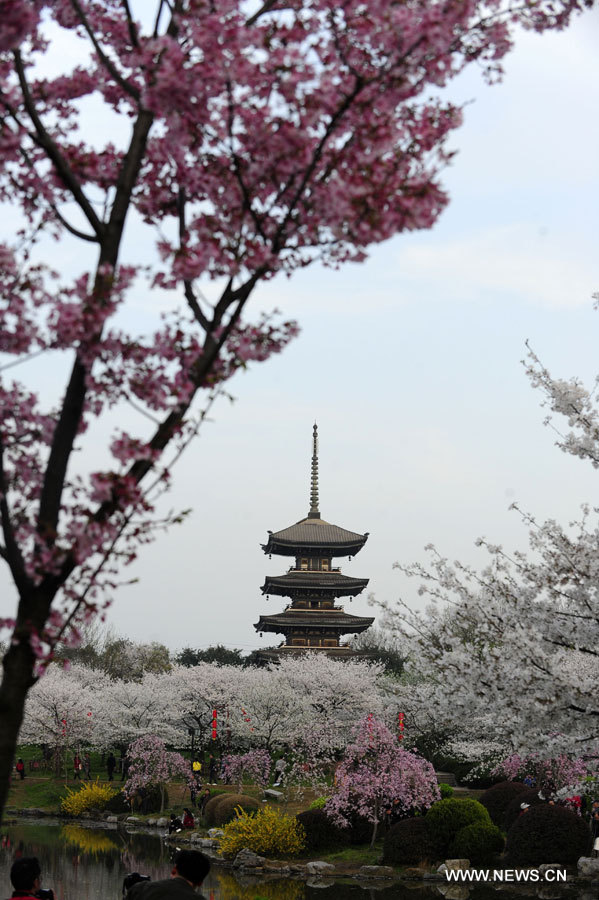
(20, 767)
(524, 807)
(188, 820)
(175, 824)
(204, 798)
(594, 822)
(87, 766)
(77, 767)
(280, 766)
(125, 768)
(212, 769)
(26, 879)
(189, 870)
(111, 765)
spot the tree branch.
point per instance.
(105, 60)
(11, 552)
(43, 139)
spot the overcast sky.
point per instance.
(410, 364)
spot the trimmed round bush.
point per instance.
(530, 796)
(407, 843)
(547, 834)
(478, 842)
(445, 790)
(498, 798)
(359, 831)
(446, 817)
(224, 810)
(210, 809)
(321, 832)
(118, 804)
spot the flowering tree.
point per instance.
(376, 773)
(253, 141)
(548, 775)
(521, 636)
(152, 765)
(255, 764)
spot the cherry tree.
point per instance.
(152, 765)
(520, 637)
(376, 773)
(246, 141)
(548, 775)
(63, 711)
(255, 765)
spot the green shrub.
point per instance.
(446, 791)
(318, 803)
(547, 834)
(498, 798)
(359, 830)
(210, 809)
(225, 810)
(478, 842)
(514, 809)
(408, 843)
(118, 804)
(321, 832)
(446, 817)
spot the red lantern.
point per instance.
(400, 725)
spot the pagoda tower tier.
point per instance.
(312, 621)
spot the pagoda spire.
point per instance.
(314, 511)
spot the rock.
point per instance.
(457, 892)
(132, 819)
(412, 872)
(162, 822)
(588, 866)
(551, 867)
(151, 822)
(206, 843)
(112, 818)
(247, 859)
(457, 864)
(270, 794)
(442, 868)
(375, 872)
(215, 833)
(319, 867)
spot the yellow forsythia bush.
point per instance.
(267, 832)
(90, 795)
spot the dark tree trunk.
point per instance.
(17, 679)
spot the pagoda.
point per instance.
(312, 621)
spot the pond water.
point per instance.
(81, 863)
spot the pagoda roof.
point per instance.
(314, 534)
(299, 582)
(303, 618)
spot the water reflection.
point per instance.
(81, 863)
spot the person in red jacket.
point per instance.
(188, 820)
(20, 767)
(26, 879)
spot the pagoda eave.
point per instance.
(293, 548)
(302, 584)
(294, 620)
